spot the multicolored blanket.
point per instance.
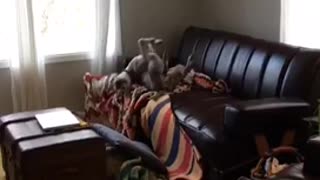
(170, 143)
(151, 112)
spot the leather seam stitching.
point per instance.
(219, 56)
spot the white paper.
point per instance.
(62, 118)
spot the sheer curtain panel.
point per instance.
(36, 31)
(26, 66)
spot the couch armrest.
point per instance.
(262, 113)
(312, 158)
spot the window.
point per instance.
(64, 26)
(7, 22)
(62, 29)
(300, 23)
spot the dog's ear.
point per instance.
(110, 82)
(122, 81)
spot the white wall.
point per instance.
(258, 18)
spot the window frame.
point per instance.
(67, 57)
(4, 63)
(56, 58)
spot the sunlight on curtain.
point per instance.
(33, 30)
(300, 23)
(114, 43)
(107, 37)
(27, 69)
(101, 33)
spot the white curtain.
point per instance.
(114, 44)
(108, 46)
(27, 68)
(300, 22)
(27, 56)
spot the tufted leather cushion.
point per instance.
(254, 69)
(202, 115)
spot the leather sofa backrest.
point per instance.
(254, 68)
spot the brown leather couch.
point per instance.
(273, 87)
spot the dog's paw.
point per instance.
(151, 40)
(158, 41)
(144, 41)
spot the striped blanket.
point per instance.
(170, 142)
(151, 112)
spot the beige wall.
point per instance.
(166, 19)
(64, 83)
(5, 89)
(258, 18)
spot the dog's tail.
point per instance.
(190, 61)
(165, 59)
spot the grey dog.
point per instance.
(146, 69)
